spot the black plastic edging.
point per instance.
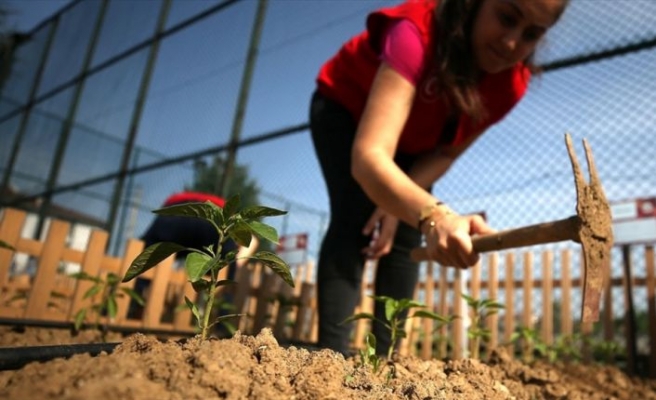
(12, 358)
(34, 323)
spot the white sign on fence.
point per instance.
(634, 221)
(293, 248)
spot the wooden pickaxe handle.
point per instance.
(548, 232)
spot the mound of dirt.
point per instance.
(257, 367)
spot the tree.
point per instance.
(206, 178)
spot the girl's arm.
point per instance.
(373, 167)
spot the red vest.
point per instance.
(347, 78)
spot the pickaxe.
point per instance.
(591, 226)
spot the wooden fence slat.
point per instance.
(132, 250)
(37, 302)
(428, 324)
(607, 312)
(265, 307)
(474, 292)
(285, 309)
(406, 344)
(509, 320)
(244, 277)
(182, 318)
(367, 304)
(303, 322)
(444, 311)
(157, 293)
(90, 265)
(475, 280)
(567, 323)
(651, 307)
(493, 320)
(547, 297)
(10, 230)
(458, 325)
(527, 312)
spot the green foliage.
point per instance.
(394, 321)
(607, 350)
(477, 332)
(203, 265)
(527, 338)
(565, 347)
(206, 178)
(368, 356)
(105, 291)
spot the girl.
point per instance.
(393, 109)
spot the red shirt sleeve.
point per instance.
(402, 49)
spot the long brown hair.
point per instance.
(456, 68)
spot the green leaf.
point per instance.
(264, 231)
(241, 233)
(409, 303)
(112, 307)
(256, 212)
(231, 206)
(470, 300)
(133, 295)
(370, 343)
(207, 211)
(150, 257)
(93, 290)
(391, 308)
(79, 318)
(83, 276)
(380, 298)
(201, 285)
(6, 245)
(194, 309)
(358, 316)
(430, 315)
(225, 282)
(276, 263)
(112, 279)
(197, 265)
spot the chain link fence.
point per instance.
(108, 104)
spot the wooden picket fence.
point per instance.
(50, 295)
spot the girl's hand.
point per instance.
(381, 226)
(448, 238)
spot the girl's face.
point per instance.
(507, 31)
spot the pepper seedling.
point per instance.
(107, 291)
(394, 321)
(203, 265)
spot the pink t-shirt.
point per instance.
(403, 51)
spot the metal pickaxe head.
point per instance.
(595, 231)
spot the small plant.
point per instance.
(527, 338)
(107, 291)
(566, 347)
(203, 265)
(607, 350)
(368, 354)
(394, 321)
(477, 332)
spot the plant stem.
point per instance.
(208, 311)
